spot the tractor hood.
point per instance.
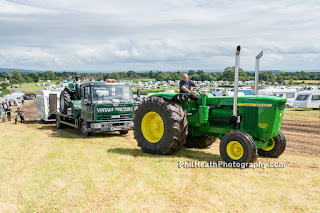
(250, 100)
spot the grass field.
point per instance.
(31, 87)
(45, 169)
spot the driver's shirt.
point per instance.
(187, 84)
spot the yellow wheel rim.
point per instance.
(234, 150)
(152, 127)
(269, 148)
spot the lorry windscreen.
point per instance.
(112, 93)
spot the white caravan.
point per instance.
(289, 94)
(48, 101)
(308, 99)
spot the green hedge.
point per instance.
(4, 92)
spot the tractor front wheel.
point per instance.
(199, 141)
(238, 146)
(160, 126)
(276, 149)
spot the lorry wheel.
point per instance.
(199, 141)
(123, 132)
(84, 130)
(160, 126)
(58, 123)
(238, 146)
(64, 101)
(276, 149)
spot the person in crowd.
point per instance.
(21, 116)
(9, 114)
(4, 118)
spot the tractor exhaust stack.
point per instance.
(256, 79)
(236, 79)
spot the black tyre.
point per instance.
(123, 132)
(238, 146)
(58, 123)
(199, 141)
(84, 129)
(160, 126)
(276, 149)
(64, 101)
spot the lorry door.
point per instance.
(52, 103)
(86, 104)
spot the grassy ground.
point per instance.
(31, 87)
(45, 169)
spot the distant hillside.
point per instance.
(142, 71)
(20, 70)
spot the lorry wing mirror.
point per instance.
(82, 92)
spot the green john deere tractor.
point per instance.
(246, 125)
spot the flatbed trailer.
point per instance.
(70, 120)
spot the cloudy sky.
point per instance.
(107, 35)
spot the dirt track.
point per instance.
(302, 136)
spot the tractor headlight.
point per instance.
(96, 126)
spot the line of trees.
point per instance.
(227, 75)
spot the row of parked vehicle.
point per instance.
(297, 97)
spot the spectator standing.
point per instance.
(22, 116)
(4, 118)
(22, 101)
(9, 114)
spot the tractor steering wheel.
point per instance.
(198, 90)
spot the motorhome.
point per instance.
(307, 99)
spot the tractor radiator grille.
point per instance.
(250, 118)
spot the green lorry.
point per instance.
(96, 107)
(246, 125)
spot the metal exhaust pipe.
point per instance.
(236, 79)
(256, 78)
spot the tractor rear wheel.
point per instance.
(238, 146)
(199, 141)
(276, 149)
(64, 101)
(160, 126)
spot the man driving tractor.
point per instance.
(185, 87)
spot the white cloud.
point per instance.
(167, 35)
